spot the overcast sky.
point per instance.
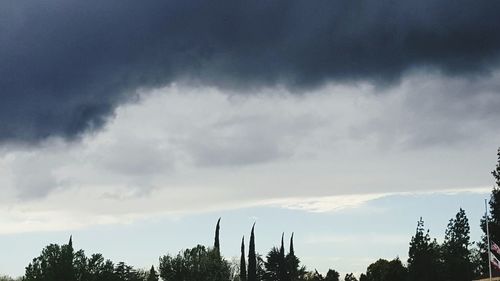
(146, 121)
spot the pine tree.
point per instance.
(252, 259)
(423, 256)
(456, 253)
(152, 275)
(216, 242)
(494, 222)
(243, 267)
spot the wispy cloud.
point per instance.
(342, 202)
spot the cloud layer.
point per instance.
(185, 149)
(66, 64)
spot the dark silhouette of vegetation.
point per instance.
(272, 265)
(455, 250)
(332, 275)
(494, 223)
(423, 256)
(384, 270)
(60, 263)
(252, 258)
(196, 264)
(295, 271)
(243, 266)
(152, 275)
(216, 240)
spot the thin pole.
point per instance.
(488, 234)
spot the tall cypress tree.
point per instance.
(243, 266)
(252, 259)
(292, 263)
(66, 270)
(282, 266)
(216, 242)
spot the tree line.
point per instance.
(455, 259)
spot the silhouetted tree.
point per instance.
(152, 275)
(196, 264)
(494, 222)
(60, 263)
(252, 259)
(475, 259)
(282, 264)
(243, 266)
(272, 265)
(423, 256)
(295, 272)
(332, 275)
(99, 269)
(46, 267)
(455, 249)
(216, 242)
(65, 267)
(384, 270)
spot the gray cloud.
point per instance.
(65, 64)
(427, 110)
(252, 139)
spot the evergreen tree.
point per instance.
(252, 259)
(152, 275)
(455, 250)
(332, 275)
(277, 266)
(65, 268)
(423, 256)
(55, 263)
(494, 223)
(81, 266)
(282, 265)
(216, 242)
(292, 263)
(243, 266)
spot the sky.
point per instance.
(134, 126)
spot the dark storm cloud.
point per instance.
(66, 64)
